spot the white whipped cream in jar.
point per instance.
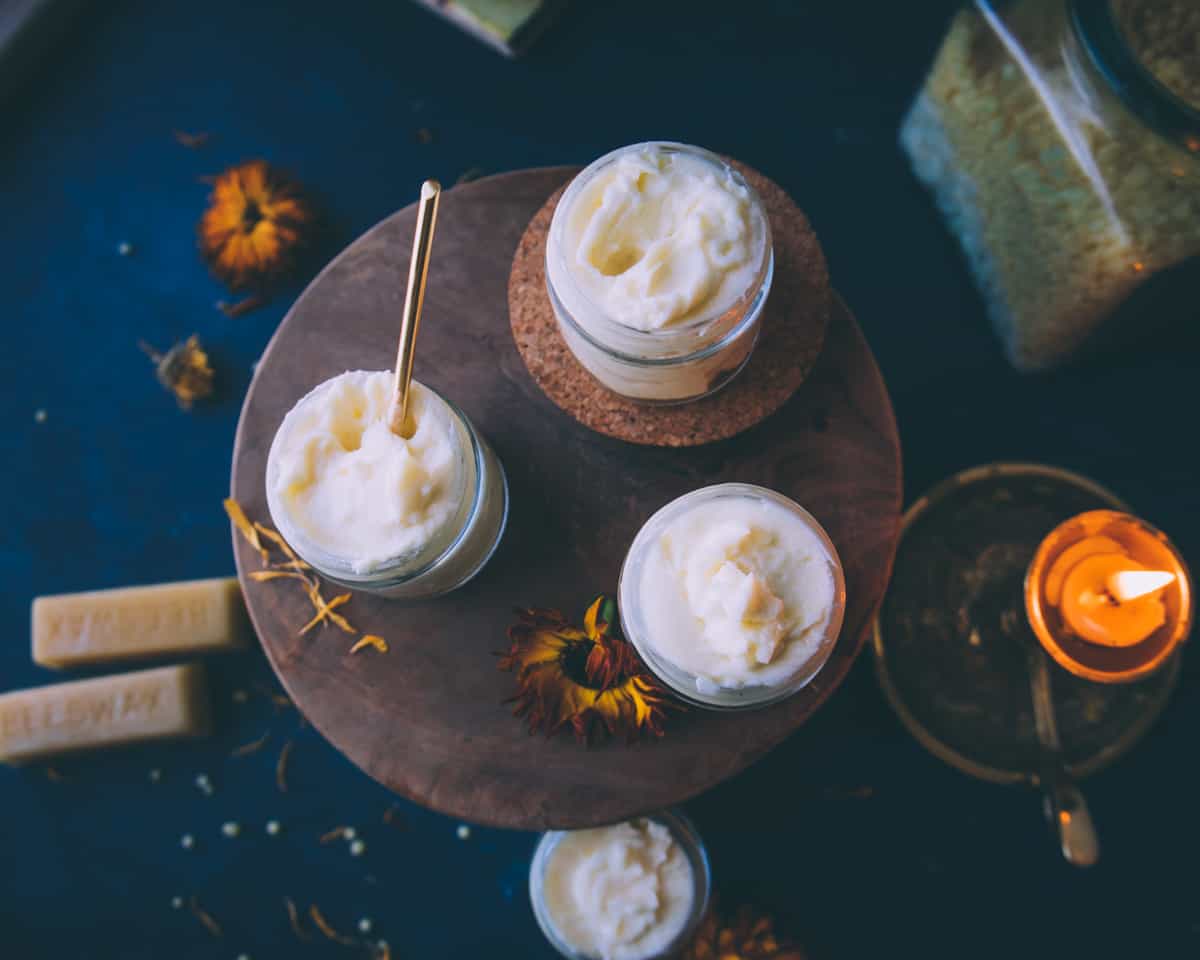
(658, 264)
(631, 891)
(404, 517)
(733, 595)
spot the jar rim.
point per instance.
(748, 697)
(1169, 115)
(683, 831)
(751, 300)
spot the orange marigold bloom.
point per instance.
(257, 227)
(589, 678)
(748, 935)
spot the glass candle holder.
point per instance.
(680, 361)
(953, 637)
(682, 832)
(450, 556)
(792, 670)
(1077, 618)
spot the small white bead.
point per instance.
(177, 903)
(349, 833)
(243, 956)
(231, 828)
(463, 831)
(155, 775)
(187, 841)
(273, 827)
(39, 416)
(364, 925)
(124, 248)
(357, 848)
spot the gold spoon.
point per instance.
(414, 299)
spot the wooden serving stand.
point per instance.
(428, 719)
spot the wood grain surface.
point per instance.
(428, 719)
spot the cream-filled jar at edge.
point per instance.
(630, 891)
(368, 508)
(733, 595)
(658, 263)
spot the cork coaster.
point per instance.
(793, 330)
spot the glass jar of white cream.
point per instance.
(632, 891)
(658, 264)
(405, 518)
(733, 596)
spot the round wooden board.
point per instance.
(428, 719)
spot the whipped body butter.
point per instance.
(658, 263)
(733, 595)
(632, 891)
(372, 510)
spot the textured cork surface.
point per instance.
(793, 331)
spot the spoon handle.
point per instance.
(1065, 805)
(414, 300)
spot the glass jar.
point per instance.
(682, 832)
(675, 363)
(1061, 140)
(688, 686)
(449, 558)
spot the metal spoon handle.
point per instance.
(1065, 805)
(414, 300)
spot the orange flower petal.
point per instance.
(256, 228)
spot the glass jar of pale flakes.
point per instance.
(1061, 140)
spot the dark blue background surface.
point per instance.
(862, 841)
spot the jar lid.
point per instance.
(1132, 80)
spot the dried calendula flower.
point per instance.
(252, 747)
(183, 370)
(326, 927)
(747, 935)
(325, 610)
(257, 227)
(242, 307)
(588, 678)
(337, 833)
(293, 568)
(370, 640)
(206, 918)
(294, 920)
(281, 767)
(245, 527)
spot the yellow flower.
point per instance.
(257, 226)
(589, 678)
(183, 369)
(749, 935)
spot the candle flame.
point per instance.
(1132, 584)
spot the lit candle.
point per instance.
(1108, 596)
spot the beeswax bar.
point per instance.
(82, 629)
(107, 711)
